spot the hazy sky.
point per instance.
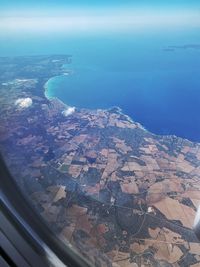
(53, 3)
(73, 15)
(36, 7)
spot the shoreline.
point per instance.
(119, 110)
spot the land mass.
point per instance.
(100, 180)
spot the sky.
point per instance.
(31, 3)
(85, 15)
(52, 6)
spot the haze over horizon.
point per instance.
(48, 16)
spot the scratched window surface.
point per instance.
(100, 124)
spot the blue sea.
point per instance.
(154, 85)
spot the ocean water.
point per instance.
(158, 87)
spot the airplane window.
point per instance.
(100, 125)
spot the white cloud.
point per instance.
(68, 111)
(23, 102)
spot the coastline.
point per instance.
(117, 109)
(46, 87)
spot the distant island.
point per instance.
(186, 46)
